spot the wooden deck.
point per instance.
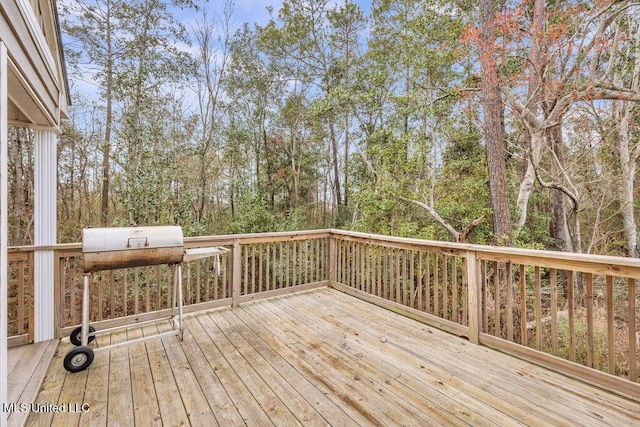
(316, 358)
(27, 366)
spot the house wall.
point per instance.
(35, 81)
(3, 231)
(33, 91)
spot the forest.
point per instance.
(507, 122)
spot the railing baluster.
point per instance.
(538, 308)
(572, 330)
(260, 268)
(20, 289)
(436, 285)
(509, 273)
(589, 277)
(496, 299)
(287, 263)
(385, 272)
(245, 281)
(445, 287)
(403, 277)
(412, 284)
(554, 315)
(253, 269)
(306, 261)
(633, 372)
(420, 282)
(281, 266)
(484, 301)
(523, 305)
(427, 294)
(610, 318)
(397, 278)
(136, 287)
(454, 291)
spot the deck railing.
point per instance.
(573, 312)
(256, 265)
(566, 311)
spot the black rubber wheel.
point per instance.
(78, 359)
(76, 335)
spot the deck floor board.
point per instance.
(546, 392)
(319, 357)
(27, 366)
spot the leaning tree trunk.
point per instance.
(560, 230)
(628, 164)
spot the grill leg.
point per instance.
(85, 311)
(180, 311)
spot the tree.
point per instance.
(300, 43)
(566, 64)
(408, 105)
(347, 23)
(147, 70)
(96, 25)
(492, 112)
(625, 114)
(213, 57)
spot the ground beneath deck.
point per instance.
(316, 358)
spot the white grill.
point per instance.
(124, 247)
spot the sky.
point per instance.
(249, 11)
(256, 10)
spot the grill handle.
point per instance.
(130, 239)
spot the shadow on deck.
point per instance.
(315, 358)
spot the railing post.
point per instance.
(475, 298)
(331, 261)
(236, 263)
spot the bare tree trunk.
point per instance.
(106, 160)
(346, 159)
(559, 227)
(202, 184)
(527, 185)
(106, 149)
(628, 156)
(628, 165)
(492, 108)
(536, 137)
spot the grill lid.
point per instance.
(121, 247)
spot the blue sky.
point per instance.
(252, 11)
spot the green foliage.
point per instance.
(321, 100)
(582, 342)
(253, 216)
(463, 185)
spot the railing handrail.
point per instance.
(606, 264)
(555, 257)
(218, 239)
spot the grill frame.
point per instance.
(125, 247)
